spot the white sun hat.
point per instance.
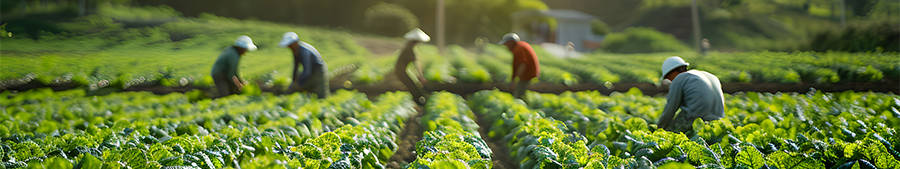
(509, 37)
(417, 34)
(288, 38)
(245, 42)
(670, 64)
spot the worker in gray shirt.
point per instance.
(314, 77)
(697, 93)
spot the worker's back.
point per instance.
(701, 93)
(524, 54)
(227, 62)
(311, 52)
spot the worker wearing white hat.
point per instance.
(697, 93)
(407, 56)
(314, 77)
(525, 64)
(224, 70)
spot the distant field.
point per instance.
(105, 48)
(150, 45)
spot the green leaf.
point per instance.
(676, 165)
(750, 157)
(699, 154)
(781, 159)
(753, 96)
(634, 91)
(449, 164)
(89, 161)
(636, 124)
(56, 162)
(135, 158)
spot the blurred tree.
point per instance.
(389, 19)
(859, 37)
(599, 27)
(469, 19)
(642, 40)
(8, 5)
(861, 7)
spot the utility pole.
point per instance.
(440, 26)
(843, 14)
(695, 18)
(23, 6)
(81, 7)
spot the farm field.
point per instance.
(122, 47)
(129, 87)
(62, 129)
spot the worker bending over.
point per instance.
(407, 56)
(697, 93)
(314, 77)
(224, 70)
(525, 65)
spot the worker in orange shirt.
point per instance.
(525, 64)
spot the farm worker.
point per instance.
(224, 71)
(697, 93)
(314, 77)
(525, 64)
(704, 44)
(407, 56)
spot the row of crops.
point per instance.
(492, 65)
(459, 65)
(66, 129)
(141, 130)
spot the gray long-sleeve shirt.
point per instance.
(310, 58)
(698, 94)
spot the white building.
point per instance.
(571, 26)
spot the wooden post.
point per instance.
(695, 18)
(23, 6)
(439, 27)
(81, 7)
(843, 14)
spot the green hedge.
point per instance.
(642, 40)
(389, 19)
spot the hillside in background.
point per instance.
(730, 25)
(127, 46)
(758, 24)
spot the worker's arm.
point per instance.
(673, 102)
(520, 70)
(233, 71)
(421, 74)
(237, 82)
(307, 61)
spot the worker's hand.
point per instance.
(237, 82)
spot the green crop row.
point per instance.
(469, 70)
(374, 71)
(533, 140)
(452, 139)
(47, 129)
(812, 130)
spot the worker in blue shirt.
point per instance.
(314, 76)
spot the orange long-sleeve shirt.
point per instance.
(523, 53)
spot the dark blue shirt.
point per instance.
(311, 60)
